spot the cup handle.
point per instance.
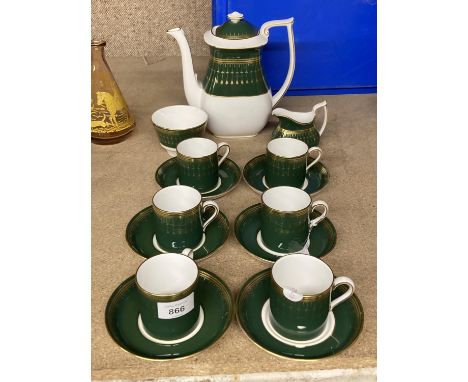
(316, 221)
(325, 117)
(228, 149)
(207, 204)
(187, 252)
(339, 281)
(311, 150)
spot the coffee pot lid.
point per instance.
(236, 28)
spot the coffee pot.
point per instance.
(234, 92)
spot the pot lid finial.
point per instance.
(236, 28)
(235, 16)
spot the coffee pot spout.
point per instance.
(192, 87)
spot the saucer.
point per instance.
(303, 187)
(218, 185)
(254, 171)
(122, 320)
(140, 235)
(349, 319)
(264, 247)
(161, 250)
(247, 226)
(229, 173)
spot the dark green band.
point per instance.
(200, 173)
(235, 73)
(280, 171)
(171, 138)
(298, 320)
(284, 231)
(176, 231)
(305, 132)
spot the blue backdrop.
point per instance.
(336, 42)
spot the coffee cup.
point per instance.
(285, 218)
(198, 163)
(286, 162)
(300, 295)
(168, 303)
(179, 217)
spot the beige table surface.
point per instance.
(123, 184)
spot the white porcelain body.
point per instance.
(167, 273)
(176, 198)
(172, 152)
(236, 116)
(179, 117)
(292, 148)
(304, 274)
(287, 147)
(286, 199)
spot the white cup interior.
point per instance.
(167, 273)
(285, 198)
(287, 147)
(197, 147)
(305, 274)
(176, 198)
(179, 117)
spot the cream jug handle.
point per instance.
(338, 281)
(228, 149)
(288, 23)
(206, 204)
(311, 150)
(325, 117)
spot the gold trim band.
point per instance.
(298, 131)
(233, 61)
(173, 131)
(191, 211)
(305, 298)
(168, 297)
(300, 212)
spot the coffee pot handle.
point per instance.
(311, 150)
(207, 204)
(316, 221)
(228, 149)
(325, 117)
(339, 281)
(264, 29)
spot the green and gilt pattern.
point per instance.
(177, 231)
(200, 173)
(305, 132)
(171, 138)
(298, 320)
(235, 73)
(284, 231)
(281, 171)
